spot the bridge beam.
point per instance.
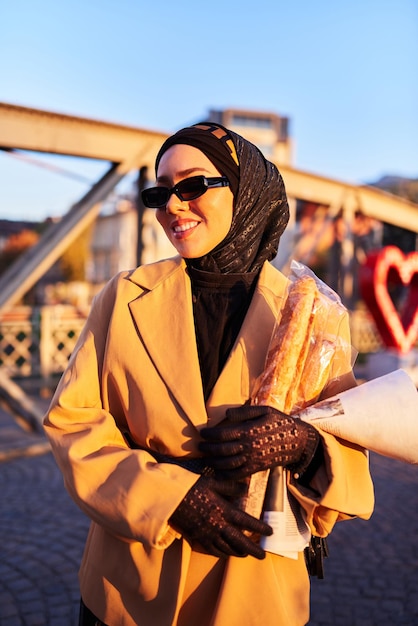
(43, 131)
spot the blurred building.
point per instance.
(268, 131)
(114, 242)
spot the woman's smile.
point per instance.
(183, 228)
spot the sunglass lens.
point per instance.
(155, 196)
(192, 188)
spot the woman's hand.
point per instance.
(208, 518)
(255, 438)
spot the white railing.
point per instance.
(37, 341)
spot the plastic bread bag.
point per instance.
(304, 351)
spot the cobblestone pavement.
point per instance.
(370, 576)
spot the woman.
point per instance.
(167, 349)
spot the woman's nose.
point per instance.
(174, 204)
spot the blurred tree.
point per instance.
(405, 187)
(15, 245)
(73, 263)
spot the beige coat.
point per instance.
(136, 368)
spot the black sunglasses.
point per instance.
(186, 190)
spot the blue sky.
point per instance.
(344, 72)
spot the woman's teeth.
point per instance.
(180, 228)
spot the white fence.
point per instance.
(37, 341)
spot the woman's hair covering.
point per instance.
(261, 210)
(215, 142)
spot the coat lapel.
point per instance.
(163, 315)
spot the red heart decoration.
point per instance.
(385, 268)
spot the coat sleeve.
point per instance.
(123, 490)
(342, 488)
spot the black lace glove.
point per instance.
(206, 517)
(255, 438)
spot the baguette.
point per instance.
(289, 347)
